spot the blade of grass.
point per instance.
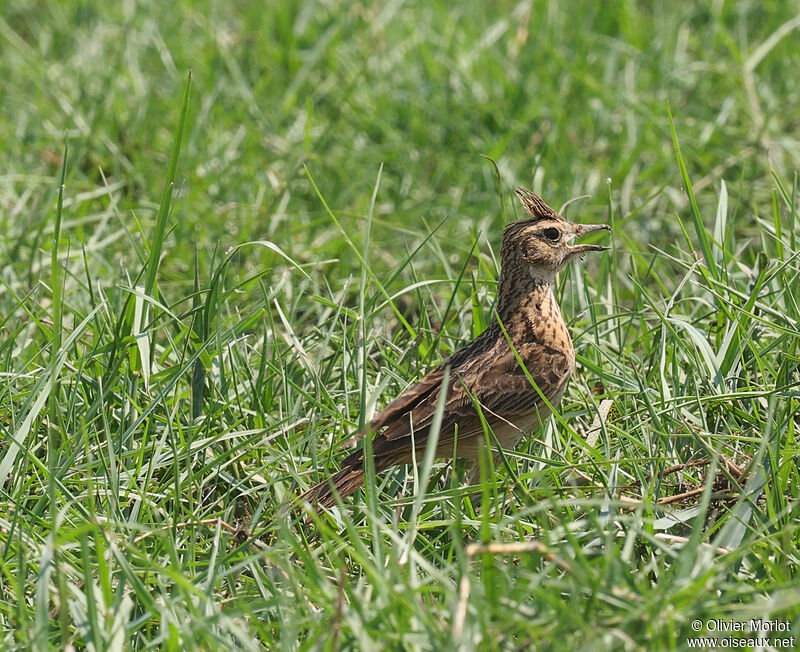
(157, 239)
(361, 357)
(699, 227)
(428, 458)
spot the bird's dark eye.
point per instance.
(552, 234)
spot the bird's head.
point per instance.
(541, 243)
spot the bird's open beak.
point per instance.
(583, 229)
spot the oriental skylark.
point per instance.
(487, 374)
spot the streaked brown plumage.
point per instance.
(486, 370)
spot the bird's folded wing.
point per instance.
(428, 387)
(494, 380)
(410, 398)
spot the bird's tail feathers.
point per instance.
(344, 483)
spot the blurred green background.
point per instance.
(563, 97)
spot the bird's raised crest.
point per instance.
(534, 204)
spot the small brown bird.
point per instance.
(487, 371)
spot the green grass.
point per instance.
(218, 280)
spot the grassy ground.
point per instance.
(230, 283)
